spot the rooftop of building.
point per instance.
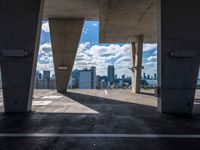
(98, 119)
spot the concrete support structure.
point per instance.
(178, 54)
(65, 36)
(137, 49)
(19, 40)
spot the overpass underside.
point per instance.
(174, 25)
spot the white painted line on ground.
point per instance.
(41, 103)
(51, 97)
(100, 135)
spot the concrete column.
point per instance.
(137, 49)
(178, 54)
(133, 49)
(19, 41)
(65, 36)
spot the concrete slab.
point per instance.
(124, 20)
(121, 20)
(88, 9)
(92, 119)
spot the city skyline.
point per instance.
(91, 53)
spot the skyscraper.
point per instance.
(46, 76)
(87, 78)
(111, 73)
(155, 76)
(93, 77)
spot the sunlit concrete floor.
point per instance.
(88, 116)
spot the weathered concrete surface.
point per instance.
(137, 50)
(88, 9)
(94, 112)
(19, 40)
(178, 54)
(123, 20)
(65, 36)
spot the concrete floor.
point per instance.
(98, 119)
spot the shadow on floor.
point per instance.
(146, 93)
(109, 106)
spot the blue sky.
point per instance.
(91, 53)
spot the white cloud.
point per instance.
(149, 47)
(96, 55)
(45, 58)
(85, 30)
(155, 52)
(94, 24)
(150, 63)
(45, 27)
(151, 58)
(103, 55)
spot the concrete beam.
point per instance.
(123, 20)
(19, 43)
(178, 54)
(137, 50)
(65, 36)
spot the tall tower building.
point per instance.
(111, 73)
(46, 77)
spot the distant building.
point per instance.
(40, 84)
(148, 77)
(123, 76)
(70, 83)
(93, 77)
(46, 74)
(98, 82)
(155, 76)
(44, 82)
(111, 74)
(37, 75)
(53, 76)
(46, 78)
(87, 79)
(144, 76)
(75, 76)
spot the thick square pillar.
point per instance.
(136, 58)
(65, 36)
(19, 41)
(178, 54)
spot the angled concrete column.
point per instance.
(137, 49)
(19, 40)
(65, 36)
(133, 49)
(178, 54)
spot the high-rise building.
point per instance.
(46, 74)
(46, 77)
(144, 76)
(111, 73)
(75, 75)
(87, 79)
(148, 76)
(155, 76)
(93, 77)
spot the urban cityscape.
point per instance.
(88, 79)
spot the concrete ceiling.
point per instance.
(120, 20)
(88, 9)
